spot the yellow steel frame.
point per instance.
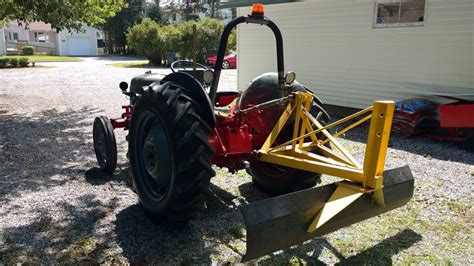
(308, 151)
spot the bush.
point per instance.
(150, 39)
(208, 37)
(4, 62)
(23, 61)
(28, 50)
(146, 38)
(13, 62)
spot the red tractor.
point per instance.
(180, 125)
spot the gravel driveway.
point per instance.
(56, 207)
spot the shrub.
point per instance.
(208, 37)
(232, 43)
(23, 61)
(150, 39)
(13, 62)
(4, 62)
(28, 50)
(146, 38)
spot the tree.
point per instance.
(153, 41)
(153, 11)
(116, 27)
(64, 14)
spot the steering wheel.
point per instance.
(185, 64)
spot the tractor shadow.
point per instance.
(96, 177)
(144, 242)
(217, 226)
(379, 254)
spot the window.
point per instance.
(399, 13)
(41, 36)
(15, 36)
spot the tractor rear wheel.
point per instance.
(170, 155)
(275, 179)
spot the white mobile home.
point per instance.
(352, 52)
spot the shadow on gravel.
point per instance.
(35, 150)
(96, 177)
(380, 254)
(214, 230)
(76, 237)
(143, 242)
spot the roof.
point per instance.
(40, 26)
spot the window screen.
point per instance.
(399, 13)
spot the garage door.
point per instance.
(78, 46)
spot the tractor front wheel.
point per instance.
(105, 146)
(170, 155)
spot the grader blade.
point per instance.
(283, 221)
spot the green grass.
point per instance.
(45, 58)
(133, 64)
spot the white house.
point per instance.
(352, 52)
(3, 49)
(47, 40)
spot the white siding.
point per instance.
(3, 48)
(90, 33)
(334, 50)
(21, 31)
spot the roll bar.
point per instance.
(254, 19)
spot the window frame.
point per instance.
(375, 25)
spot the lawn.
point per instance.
(46, 58)
(140, 64)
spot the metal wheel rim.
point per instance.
(100, 143)
(155, 186)
(225, 65)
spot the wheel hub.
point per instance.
(156, 156)
(151, 162)
(100, 144)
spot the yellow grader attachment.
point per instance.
(364, 190)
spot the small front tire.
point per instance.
(105, 146)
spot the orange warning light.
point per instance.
(257, 9)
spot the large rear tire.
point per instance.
(170, 155)
(275, 179)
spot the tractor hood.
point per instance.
(144, 80)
